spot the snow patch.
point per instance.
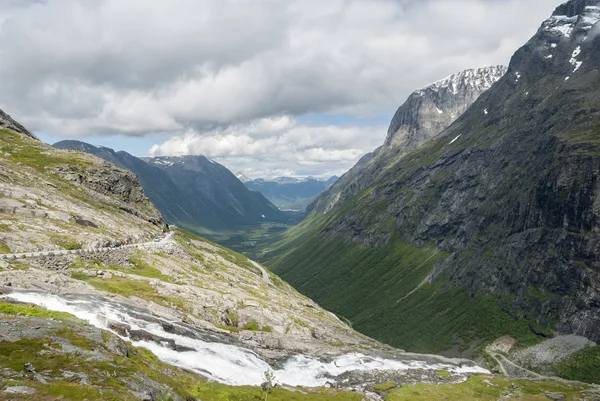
(452, 141)
(549, 56)
(590, 17)
(574, 62)
(439, 111)
(553, 45)
(560, 24)
(567, 78)
(263, 216)
(485, 112)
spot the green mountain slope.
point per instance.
(506, 199)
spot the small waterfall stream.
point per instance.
(203, 352)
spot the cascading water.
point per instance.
(226, 363)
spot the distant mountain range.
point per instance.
(192, 191)
(288, 193)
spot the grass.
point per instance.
(251, 326)
(476, 389)
(141, 267)
(376, 289)
(4, 249)
(127, 288)
(47, 355)
(34, 311)
(70, 246)
(584, 366)
(384, 387)
(36, 154)
(222, 392)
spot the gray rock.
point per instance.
(19, 390)
(6, 121)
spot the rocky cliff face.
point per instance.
(6, 121)
(508, 196)
(426, 113)
(431, 109)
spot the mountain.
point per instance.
(191, 191)
(289, 192)
(489, 228)
(7, 122)
(93, 306)
(426, 113)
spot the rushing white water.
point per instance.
(225, 363)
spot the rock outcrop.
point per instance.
(6, 121)
(425, 114)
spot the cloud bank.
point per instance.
(217, 76)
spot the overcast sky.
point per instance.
(266, 87)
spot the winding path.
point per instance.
(265, 275)
(28, 255)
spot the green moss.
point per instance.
(78, 264)
(4, 248)
(37, 154)
(384, 387)
(112, 375)
(475, 389)
(584, 366)
(65, 390)
(125, 287)
(252, 326)
(443, 373)
(69, 246)
(221, 392)
(34, 311)
(141, 267)
(233, 317)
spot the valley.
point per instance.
(458, 260)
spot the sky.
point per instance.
(266, 87)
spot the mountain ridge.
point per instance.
(191, 191)
(424, 114)
(491, 223)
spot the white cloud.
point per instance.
(318, 150)
(80, 68)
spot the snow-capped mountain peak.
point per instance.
(479, 79)
(573, 19)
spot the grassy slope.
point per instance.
(430, 319)
(109, 378)
(364, 283)
(489, 388)
(584, 365)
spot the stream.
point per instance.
(220, 358)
